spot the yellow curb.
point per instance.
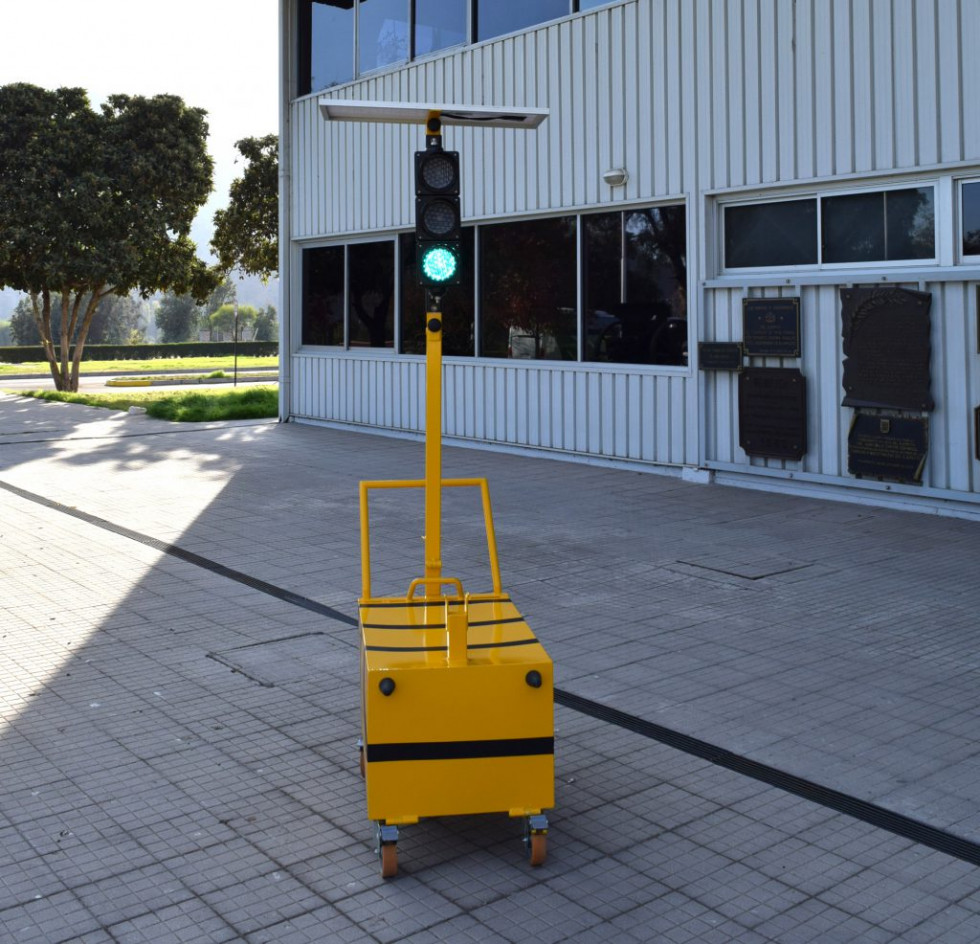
(127, 383)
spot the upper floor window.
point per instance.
(497, 17)
(340, 40)
(870, 226)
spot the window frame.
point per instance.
(723, 203)
(962, 257)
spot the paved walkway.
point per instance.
(178, 745)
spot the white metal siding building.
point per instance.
(817, 108)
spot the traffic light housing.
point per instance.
(437, 216)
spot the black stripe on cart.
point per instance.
(460, 750)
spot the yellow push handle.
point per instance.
(438, 583)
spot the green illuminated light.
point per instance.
(439, 264)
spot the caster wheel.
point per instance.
(537, 849)
(389, 860)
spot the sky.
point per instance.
(219, 55)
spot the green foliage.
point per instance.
(246, 233)
(95, 204)
(177, 318)
(6, 337)
(223, 321)
(250, 403)
(267, 324)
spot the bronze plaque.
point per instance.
(771, 327)
(887, 348)
(772, 412)
(718, 355)
(888, 448)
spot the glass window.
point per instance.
(439, 24)
(457, 304)
(323, 295)
(771, 234)
(881, 226)
(497, 17)
(589, 4)
(382, 33)
(371, 289)
(528, 296)
(910, 224)
(331, 38)
(971, 219)
(635, 286)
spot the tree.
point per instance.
(94, 204)
(177, 318)
(267, 324)
(246, 233)
(223, 321)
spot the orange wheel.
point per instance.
(389, 860)
(537, 849)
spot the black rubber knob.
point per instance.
(533, 678)
(387, 686)
(434, 325)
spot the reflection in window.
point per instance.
(439, 24)
(382, 33)
(372, 294)
(879, 226)
(528, 303)
(323, 296)
(497, 17)
(771, 234)
(635, 286)
(971, 219)
(331, 43)
(457, 304)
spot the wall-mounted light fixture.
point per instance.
(616, 176)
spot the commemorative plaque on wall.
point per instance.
(719, 355)
(771, 327)
(772, 412)
(889, 448)
(887, 348)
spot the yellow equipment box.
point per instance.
(457, 703)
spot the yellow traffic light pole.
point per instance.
(433, 418)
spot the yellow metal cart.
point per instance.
(457, 703)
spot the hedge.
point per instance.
(144, 352)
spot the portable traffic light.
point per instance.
(437, 216)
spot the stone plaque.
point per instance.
(889, 448)
(887, 348)
(718, 355)
(772, 412)
(771, 327)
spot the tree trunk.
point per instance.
(41, 309)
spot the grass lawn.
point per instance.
(182, 406)
(170, 363)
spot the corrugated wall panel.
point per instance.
(628, 416)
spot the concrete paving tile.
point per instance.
(401, 909)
